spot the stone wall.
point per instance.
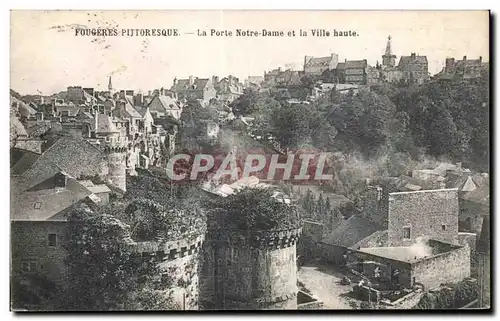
(308, 245)
(386, 269)
(431, 213)
(449, 267)
(332, 253)
(258, 272)
(30, 243)
(180, 261)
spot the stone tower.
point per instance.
(388, 59)
(257, 271)
(114, 145)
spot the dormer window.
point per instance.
(37, 205)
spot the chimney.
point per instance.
(480, 59)
(191, 80)
(139, 99)
(413, 55)
(149, 93)
(465, 58)
(162, 91)
(175, 82)
(345, 60)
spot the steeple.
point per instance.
(110, 86)
(388, 51)
(388, 59)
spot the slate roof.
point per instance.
(341, 66)
(129, 107)
(183, 84)
(17, 127)
(351, 231)
(405, 60)
(104, 124)
(167, 102)
(23, 160)
(42, 205)
(356, 64)
(480, 195)
(319, 62)
(72, 155)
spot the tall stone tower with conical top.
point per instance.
(388, 59)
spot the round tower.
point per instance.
(179, 263)
(261, 271)
(117, 167)
(254, 270)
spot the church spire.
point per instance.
(388, 59)
(388, 51)
(110, 86)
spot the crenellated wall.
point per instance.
(255, 272)
(180, 261)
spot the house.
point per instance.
(125, 110)
(318, 65)
(162, 105)
(228, 89)
(254, 81)
(464, 68)
(39, 210)
(194, 89)
(355, 71)
(414, 69)
(373, 76)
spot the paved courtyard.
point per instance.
(322, 282)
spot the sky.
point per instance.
(46, 56)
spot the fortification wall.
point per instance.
(180, 262)
(255, 272)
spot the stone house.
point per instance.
(194, 89)
(414, 69)
(463, 69)
(38, 223)
(318, 65)
(356, 72)
(427, 213)
(162, 105)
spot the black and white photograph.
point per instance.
(238, 160)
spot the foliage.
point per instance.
(104, 272)
(254, 209)
(253, 102)
(35, 290)
(449, 296)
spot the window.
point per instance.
(443, 227)
(37, 205)
(406, 232)
(52, 240)
(29, 267)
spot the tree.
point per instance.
(104, 273)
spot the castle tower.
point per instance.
(114, 146)
(256, 271)
(388, 59)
